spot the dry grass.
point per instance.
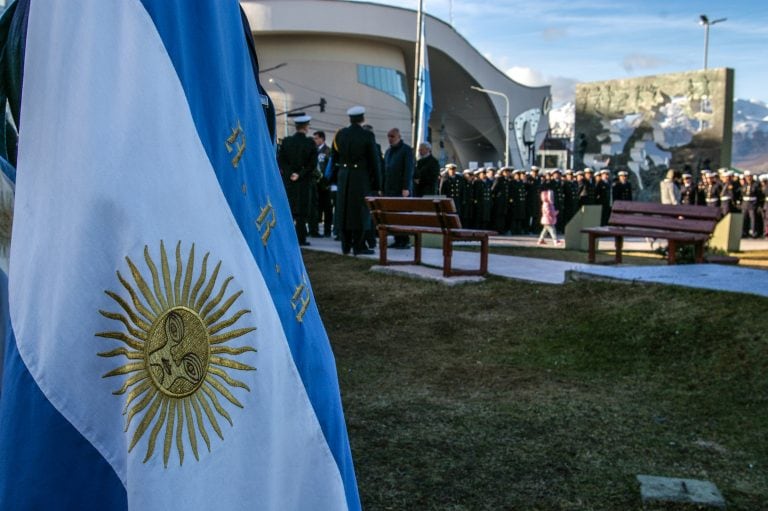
(516, 396)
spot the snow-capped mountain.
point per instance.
(562, 119)
(750, 130)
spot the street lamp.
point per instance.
(704, 21)
(285, 103)
(506, 120)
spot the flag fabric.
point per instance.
(164, 350)
(7, 175)
(425, 92)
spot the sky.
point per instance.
(563, 42)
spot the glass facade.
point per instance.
(387, 80)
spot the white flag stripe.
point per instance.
(110, 161)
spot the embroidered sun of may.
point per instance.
(177, 336)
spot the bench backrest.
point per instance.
(680, 218)
(414, 212)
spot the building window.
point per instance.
(387, 80)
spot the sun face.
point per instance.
(175, 337)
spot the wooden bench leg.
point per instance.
(591, 253)
(447, 255)
(619, 248)
(671, 251)
(484, 255)
(382, 247)
(700, 252)
(417, 248)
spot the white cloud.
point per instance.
(563, 88)
(527, 76)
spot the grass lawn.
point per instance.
(514, 396)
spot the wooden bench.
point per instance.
(678, 224)
(416, 216)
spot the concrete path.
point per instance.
(706, 276)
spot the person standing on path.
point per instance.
(398, 174)
(297, 160)
(357, 175)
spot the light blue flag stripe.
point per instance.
(427, 107)
(256, 183)
(233, 100)
(425, 89)
(28, 420)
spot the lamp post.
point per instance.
(506, 120)
(285, 104)
(704, 21)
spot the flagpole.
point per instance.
(416, 77)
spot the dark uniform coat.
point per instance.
(481, 199)
(730, 195)
(357, 175)
(712, 194)
(750, 196)
(501, 196)
(451, 187)
(298, 154)
(571, 200)
(558, 192)
(586, 192)
(465, 203)
(688, 194)
(603, 198)
(622, 191)
(533, 186)
(428, 173)
(518, 207)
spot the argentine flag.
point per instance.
(165, 350)
(425, 89)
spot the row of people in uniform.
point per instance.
(508, 200)
(729, 192)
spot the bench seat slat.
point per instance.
(678, 224)
(651, 208)
(662, 223)
(405, 204)
(632, 232)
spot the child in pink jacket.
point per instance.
(548, 217)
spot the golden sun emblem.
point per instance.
(175, 336)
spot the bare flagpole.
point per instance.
(416, 77)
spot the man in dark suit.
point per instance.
(357, 175)
(297, 160)
(325, 196)
(398, 174)
(427, 172)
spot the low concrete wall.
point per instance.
(727, 234)
(587, 216)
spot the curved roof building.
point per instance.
(352, 53)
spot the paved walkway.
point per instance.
(548, 271)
